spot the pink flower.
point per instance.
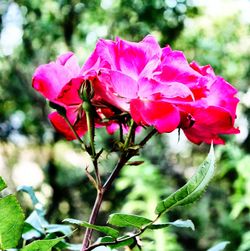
(58, 82)
(159, 88)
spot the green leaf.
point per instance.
(12, 220)
(177, 223)
(59, 228)
(29, 232)
(104, 229)
(120, 243)
(193, 189)
(36, 203)
(2, 184)
(42, 245)
(128, 220)
(73, 247)
(103, 248)
(37, 222)
(219, 247)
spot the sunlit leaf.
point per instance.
(128, 220)
(2, 184)
(36, 203)
(104, 229)
(177, 223)
(59, 228)
(120, 242)
(73, 247)
(29, 232)
(42, 245)
(219, 247)
(193, 189)
(102, 248)
(12, 220)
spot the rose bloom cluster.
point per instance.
(156, 86)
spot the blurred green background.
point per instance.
(34, 32)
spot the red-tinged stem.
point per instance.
(126, 155)
(92, 219)
(96, 208)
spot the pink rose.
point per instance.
(60, 82)
(159, 88)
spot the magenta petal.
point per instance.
(133, 57)
(49, 79)
(209, 124)
(206, 70)
(175, 67)
(104, 56)
(227, 100)
(69, 95)
(168, 90)
(163, 116)
(62, 127)
(123, 85)
(112, 128)
(70, 62)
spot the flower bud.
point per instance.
(86, 91)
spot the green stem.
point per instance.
(91, 131)
(117, 241)
(92, 219)
(73, 130)
(130, 134)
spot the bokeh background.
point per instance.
(34, 32)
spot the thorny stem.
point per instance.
(92, 219)
(123, 160)
(125, 156)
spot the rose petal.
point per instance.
(133, 57)
(209, 124)
(176, 68)
(163, 116)
(62, 127)
(227, 100)
(123, 85)
(70, 62)
(69, 94)
(168, 90)
(50, 78)
(206, 70)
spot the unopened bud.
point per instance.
(86, 91)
